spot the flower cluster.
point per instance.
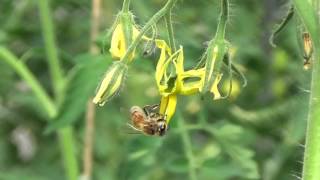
(171, 77)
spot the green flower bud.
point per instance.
(213, 68)
(111, 84)
(124, 32)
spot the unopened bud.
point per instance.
(111, 84)
(123, 35)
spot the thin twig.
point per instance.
(90, 115)
(95, 20)
(88, 141)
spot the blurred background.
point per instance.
(256, 134)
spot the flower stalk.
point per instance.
(153, 20)
(169, 26)
(218, 48)
(126, 6)
(223, 20)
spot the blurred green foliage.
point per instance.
(256, 135)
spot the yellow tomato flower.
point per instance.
(182, 82)
(179, 81)
(173, 80)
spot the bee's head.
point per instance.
(162, 127)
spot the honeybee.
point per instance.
(148, 120)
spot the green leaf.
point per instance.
(221, 169)
(232, 140)
(84, 80)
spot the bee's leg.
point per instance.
(155, 107)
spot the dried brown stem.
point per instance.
(90, 114)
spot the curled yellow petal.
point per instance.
(163, 71)
(193, 73)
(214, 88)
(190, 88)
(179, 68)
(185, 82)
(191, 81)
(168, 106)
(163, 61)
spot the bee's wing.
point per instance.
(151, 109)
(129, 129)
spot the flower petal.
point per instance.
(214, 88)
(118, 44)
(168, 106)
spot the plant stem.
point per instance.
(67, 146)
(126, 6)
(223, 20)
(170, 31)
(51, 49)
(153, 20)
(66, 139)
(311, 163)
(187, 146)
(65, 135)
(23, 71)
